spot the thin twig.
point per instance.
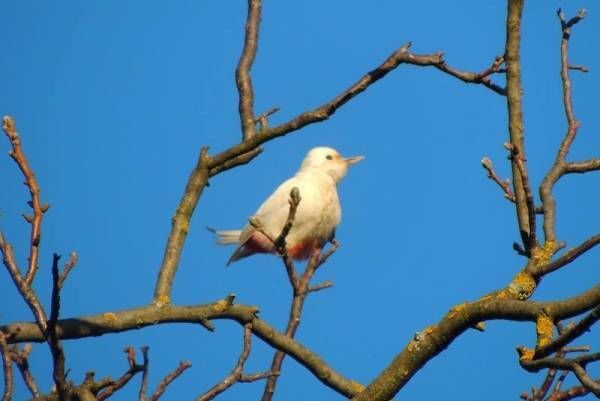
(236, 373)
(24, 289)
(18, 156)
(504, 185)
(20, 358)
(134, 369)
(144, 385)
(575, 365)
(519, 161)
(7, 393)
(557, 169)
(71, 263)
(482, 77)
(162, 386)
(301, 290)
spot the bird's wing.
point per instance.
(273, 213)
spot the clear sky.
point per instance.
(113, 100)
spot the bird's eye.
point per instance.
(329, 157)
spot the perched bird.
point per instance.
(317, 216)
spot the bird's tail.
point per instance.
(226, 237)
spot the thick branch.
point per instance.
(566, 258)
(434, 339)
(569, 335)
(430, 343)
(515, 111)
(180, 227)
(150, 315)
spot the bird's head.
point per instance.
(329, 161)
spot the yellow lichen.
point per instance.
(430, 329)
(526, 354)
(522, 286)
(413, 346)
(109, 316)
(162, 301)
(541, 255)
(356, 386)
(454, 311)
(221, 305)
(544, 328)
(139, 321)
(479, 326)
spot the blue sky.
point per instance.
(114, 99)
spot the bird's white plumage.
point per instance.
(318, 213)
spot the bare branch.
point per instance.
(301, 289)
(71, 263)
(582, 167)
(558, 167)
(146, 362)
(512, 59)
(162, 386)
(242, 73)
(9, 127)
(56, 349)
(576, 365)
(263, 119)
(179, 228)
(24, 289)
(504, 185)
(7, 393)
(240, 160)
(482, 77)
(569, 334)
(236, 374)
(566, 258)
(134, 369)
(20, 358)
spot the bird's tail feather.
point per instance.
(226, 237)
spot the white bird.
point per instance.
(317, 216)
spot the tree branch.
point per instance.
(20, 358)
(566, 258)
(10, 129)
(569, 335)
(434, 339)
(236, 374)
(164, 383)
(512, 59)
(7, 393)
(179, 228)
(558, 168)
(242, 72)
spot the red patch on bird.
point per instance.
(302, 250)
(258, 243)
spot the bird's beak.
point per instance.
(353, 160)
